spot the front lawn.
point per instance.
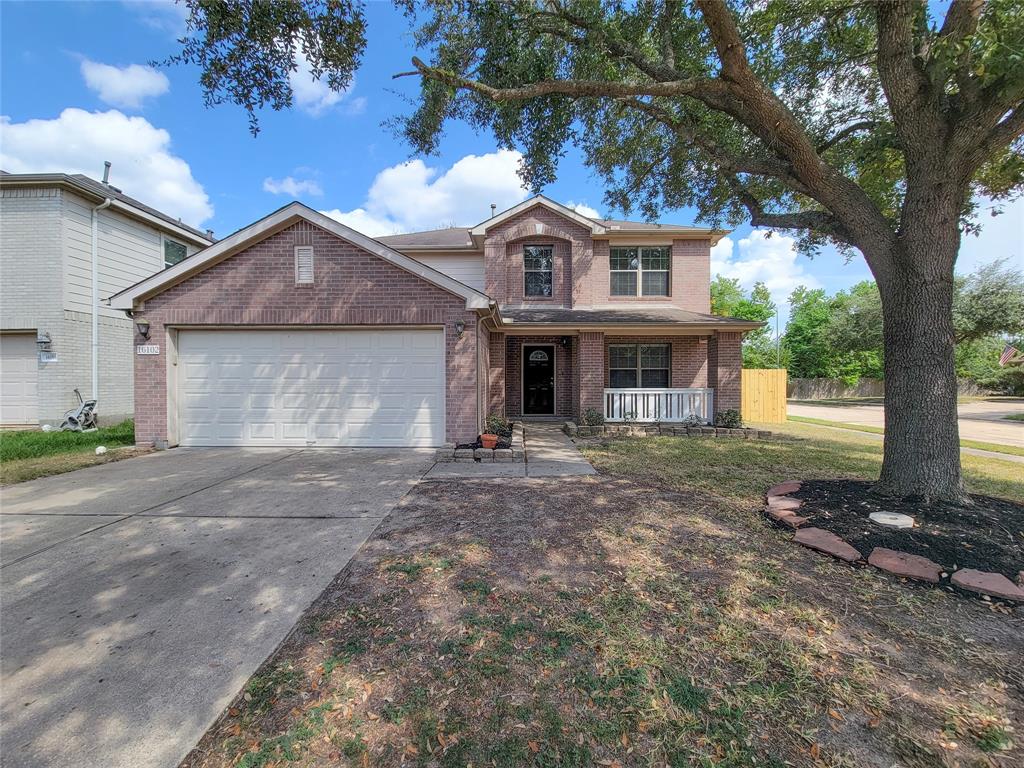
(28, 454)
(645, 617)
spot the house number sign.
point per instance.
(148, 349)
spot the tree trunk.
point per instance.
(922, 442)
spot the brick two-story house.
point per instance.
(298, 330)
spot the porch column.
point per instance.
(590, 372)
(725, 360)
(496, 376)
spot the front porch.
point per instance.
(625, 378)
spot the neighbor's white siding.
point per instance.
(467, 269)
(129, 251)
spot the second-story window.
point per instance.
(537, 262)
(640, 271)
(173, 253)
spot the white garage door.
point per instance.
(323, 388)
(19, 374)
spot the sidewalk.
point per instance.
(549, 453)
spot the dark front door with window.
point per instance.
(538, 380)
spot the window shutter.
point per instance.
(304, 264)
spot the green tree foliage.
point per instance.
(988, 302)
(841, 336)
(729, 300)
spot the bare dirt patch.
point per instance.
(599, 621)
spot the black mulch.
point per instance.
(504, 441)
(989, 535)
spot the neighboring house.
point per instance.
(298, 330)
(50, 225)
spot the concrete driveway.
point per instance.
(982, 421)
(138, 596)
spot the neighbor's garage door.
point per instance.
(324, 388)
(19, 374)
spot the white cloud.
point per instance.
(291, 186)
(315, 96)
(763, 256)
(412, 196)
(583, 209)
(79, 142)
(124, 86)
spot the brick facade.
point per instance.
(725, 360)
(351, 287)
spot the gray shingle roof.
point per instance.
(625, 316)
(452, 237)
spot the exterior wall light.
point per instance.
(43, 341)
(142, 326)
(460, 328)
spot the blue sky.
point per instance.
(75, 91)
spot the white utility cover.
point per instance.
(311, 387)
(19, 376)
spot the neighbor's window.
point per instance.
(303, 264)
(537, 270)
(173, 253)
(644, 366)
(640, 271)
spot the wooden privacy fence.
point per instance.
(763, 395)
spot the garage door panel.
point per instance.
(19, 376)
(358, 388)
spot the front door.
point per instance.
(539, 379)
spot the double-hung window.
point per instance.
(640, 270)
(643, 366)
(173, 252)
(537, 262)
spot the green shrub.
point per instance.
(593, 417)
(729, 418)
(497, 425)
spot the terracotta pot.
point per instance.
(489, 441)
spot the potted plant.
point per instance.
(489, 441)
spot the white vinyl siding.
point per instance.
(129, 251)
(467, 269)
(316, 388)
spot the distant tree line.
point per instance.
(840, 336)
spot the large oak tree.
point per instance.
(871, 125)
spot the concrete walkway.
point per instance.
(549, 453)
(139, 596)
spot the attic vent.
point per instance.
(303, 264)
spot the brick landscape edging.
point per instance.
(664, 430)
(782, 508)
(516, 453)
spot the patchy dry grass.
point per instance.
(20, 470)
(644, 617)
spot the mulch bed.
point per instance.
(988, 536)
(504, 441)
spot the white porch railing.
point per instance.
(658, 404)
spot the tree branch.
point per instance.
(575, 88)
(817, 221)
(729, 162)
(846, 132)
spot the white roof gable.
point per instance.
(272, 224)
(596, 228)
